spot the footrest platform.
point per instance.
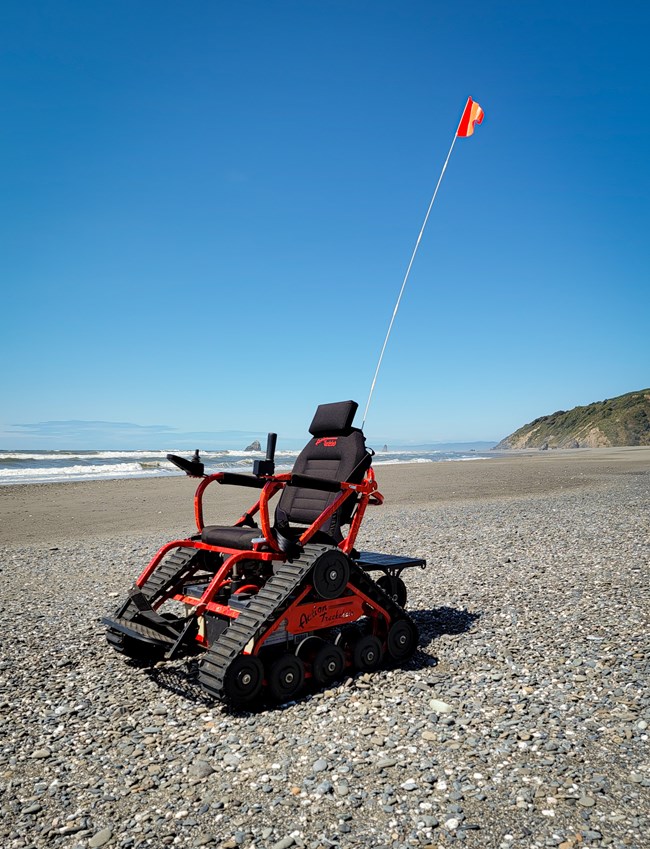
(373, 561)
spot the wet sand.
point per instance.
(51, 514)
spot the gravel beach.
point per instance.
(522, 720)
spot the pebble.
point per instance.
(32, 809)
(284, 843)
(100, 838)
(201, 769)
(440, 707)
(41, 753)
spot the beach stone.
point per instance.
(100, 838)
(201, 769)
(34, 808)
(439, 706)
(284, 843)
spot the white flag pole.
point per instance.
(408, 271)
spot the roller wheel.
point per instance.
(402, 640)
(286, 677)
(328, 664)
(366, 653)
(244, 679)
(393, 587)
(331, 574)
(308, 647)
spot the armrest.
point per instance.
(241, 480)
(310, 482)
(194, 467)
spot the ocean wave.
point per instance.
(79, 472)
(52, 466)
(10, 457)
(395, 461)
(464, 459)
(108, 471)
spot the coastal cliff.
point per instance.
(604, 424)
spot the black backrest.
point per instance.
(336, 452)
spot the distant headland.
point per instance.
(604, 424)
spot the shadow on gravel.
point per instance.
(182, 681)
(432, 623)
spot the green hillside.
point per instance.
(616, 421)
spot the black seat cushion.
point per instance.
(229, 537)
(242, 538)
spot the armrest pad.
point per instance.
(309, 482)
(242, 480)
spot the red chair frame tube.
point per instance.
(367, 490)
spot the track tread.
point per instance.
(269, 604)
(174, 567)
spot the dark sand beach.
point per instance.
(520, 723)
(42, 513)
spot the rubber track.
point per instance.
(266, 608)
(174, 567)
(269, 605)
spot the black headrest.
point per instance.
(331, 419)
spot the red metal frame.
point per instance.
(337, 611)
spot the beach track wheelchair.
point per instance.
(269, 604)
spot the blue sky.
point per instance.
(207, 209)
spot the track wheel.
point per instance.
(331, 574)
(366, 653)
(328, 664)
(393, 587)
(402, 640)
(244, 679)
(286, 677)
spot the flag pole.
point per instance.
(408, 270)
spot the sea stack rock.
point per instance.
(254, 446)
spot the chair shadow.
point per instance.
(433, 623)
(182, 680)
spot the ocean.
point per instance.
(21, 467)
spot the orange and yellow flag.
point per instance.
(473, 114)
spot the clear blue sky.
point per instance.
(207, 208)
